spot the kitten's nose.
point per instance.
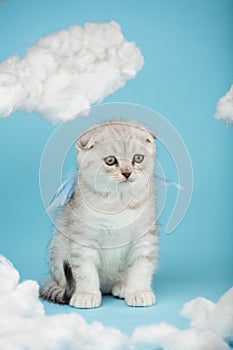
(126, 174)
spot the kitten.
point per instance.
(107, 240)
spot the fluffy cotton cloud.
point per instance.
(167, 337)
(62, 332)
(67, 71)
(17, 299)
(9, 276)
(224, 108)
(206, 315)
(24, 325)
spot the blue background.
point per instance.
(188, 52)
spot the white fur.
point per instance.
(107, 232)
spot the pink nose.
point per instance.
(126, 174)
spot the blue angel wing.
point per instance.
(67, 188)
(63, 193)
(167, 183)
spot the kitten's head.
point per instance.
(116, 153)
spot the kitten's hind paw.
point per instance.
(118, 290)
(143, 298)
(85, 300)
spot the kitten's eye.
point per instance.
(111, 160)
(138, 158)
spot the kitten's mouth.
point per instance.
(126, 181)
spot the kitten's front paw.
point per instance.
(85, 300)
(144, 298)
(118, 290)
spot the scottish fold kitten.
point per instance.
(106, 240)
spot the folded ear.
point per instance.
(152, 133)
(145, 128)
(85, 141)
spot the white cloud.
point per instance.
(24, 325)
(62, 332)
(17, 299)
(206, 315)
(224, 109)
(67, 71)
(164, 336)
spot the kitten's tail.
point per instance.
(52, 291)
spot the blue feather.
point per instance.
(167, 183)
(63, 193)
